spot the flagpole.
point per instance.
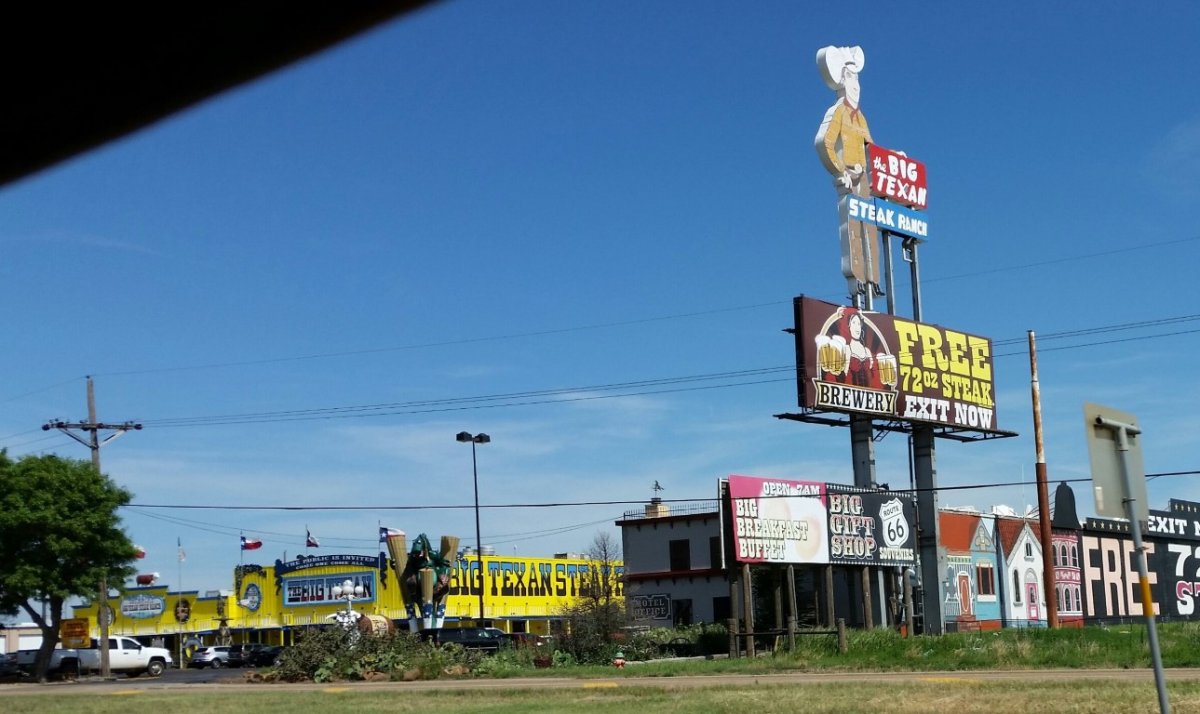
(178, 597)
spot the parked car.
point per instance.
(125, 656)
(8, 665)
(487, 639)
(266, 656)
(242, 655)
(215, 657)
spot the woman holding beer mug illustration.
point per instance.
(850, 353)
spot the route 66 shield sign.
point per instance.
(893, 524)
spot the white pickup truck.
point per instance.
(125, 655)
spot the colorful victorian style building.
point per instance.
(271, 603)
(983, 561)
(956, 529)
(1068, 566)
(969, 563)
(1023, 602)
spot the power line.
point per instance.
(622, 389)
(232, 531)
(527, 398)
(445, 343)
(605, 325)
(564, 504)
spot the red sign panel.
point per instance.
(898, 178)
(778, 521)
(850, 360)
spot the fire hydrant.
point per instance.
(619, 660)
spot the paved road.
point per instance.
(233, 680)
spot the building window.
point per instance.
(721, 609)
(1029, 550)
(985, 579)
(714, 552)
(681, 611)
(1016, 578)
(1074, 555)
(681, 555)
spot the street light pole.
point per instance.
(349, 592)
(464, 437)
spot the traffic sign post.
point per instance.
(1113, 446)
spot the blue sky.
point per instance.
(499, 198)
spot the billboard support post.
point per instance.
(791, 598)
(927, 527)
(862, 449)
(1122, 431)
(748, 609)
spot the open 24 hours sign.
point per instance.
(862, 362)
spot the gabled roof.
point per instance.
(983, 539)
(956, 530)
(1008, 530)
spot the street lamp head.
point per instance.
(467, 437)
(463, 437)
(482, 439)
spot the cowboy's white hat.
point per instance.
(831, 60)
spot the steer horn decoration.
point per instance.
(424, 577)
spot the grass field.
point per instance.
(871, 655)
(931, 694)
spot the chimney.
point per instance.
(657, 509)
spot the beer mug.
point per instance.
(832, 354)
(887, 368)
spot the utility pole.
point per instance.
(93, 441)
(1046, 535)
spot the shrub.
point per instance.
(332, 654)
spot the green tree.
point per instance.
(60, 535)
(594, 622)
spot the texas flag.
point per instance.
(251, 543)
(311, 540)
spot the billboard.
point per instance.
(869, 527)
(318, 590)
(74, 632)
(851, 360)
(811, 523)
(778, 521)
(897, 177)
(886, 215)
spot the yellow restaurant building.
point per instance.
(269, 604)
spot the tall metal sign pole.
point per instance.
(1110, 434)
(877, 190)
(93, 441)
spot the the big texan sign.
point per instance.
(877, 188)
(851, 360)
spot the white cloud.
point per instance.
(1170, 162)
(82, 240)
